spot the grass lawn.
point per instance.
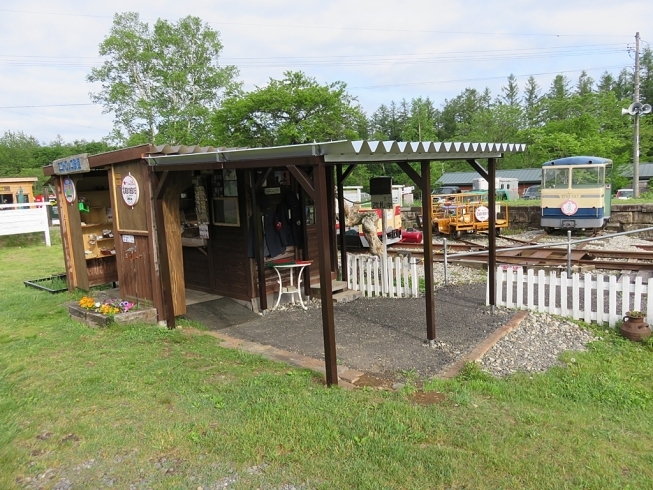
(144, 407)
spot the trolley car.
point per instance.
(576, 193)
(468, 212)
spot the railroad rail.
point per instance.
(551, 256)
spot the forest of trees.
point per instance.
(200, 102)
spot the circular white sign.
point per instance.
(482, 213)
(69, 191)
(569, 207)
(130, 191)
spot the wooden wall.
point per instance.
(197, 269)
(230, 261)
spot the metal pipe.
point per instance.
(446, 278)
(557, 244)
(568, 253)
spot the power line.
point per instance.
(440, 82)
(48, 105)
(313, 26)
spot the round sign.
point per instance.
(130, 191)
(482, 213)
(569, 207)
(69, 191)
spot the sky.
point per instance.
(383, 50)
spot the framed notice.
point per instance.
(225, 211)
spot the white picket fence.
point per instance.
(604, 298)
(24, 218)
(365, 275)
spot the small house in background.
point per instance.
(17, 190)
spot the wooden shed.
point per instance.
(162, 219)
(16, 190)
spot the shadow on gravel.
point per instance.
(383, 336)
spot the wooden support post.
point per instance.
(258, 238)
(342, 239)
(492, 231)
(427, 231)
(166, 282)
(324, 257)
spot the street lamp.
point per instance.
(636, 109)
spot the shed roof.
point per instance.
(645, 171)
(347, 152)
(9, 180)
(525, 175)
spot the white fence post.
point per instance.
(550, 290)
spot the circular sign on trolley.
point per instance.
(130, 190)
(69, 191)
(482, 213)
(569, 207)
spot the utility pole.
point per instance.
(636, 121)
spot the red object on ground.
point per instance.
(411, 237)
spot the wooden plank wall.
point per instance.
(197, 270)
(134, 269)
(312, 250)
(229, 251)
(102, 270)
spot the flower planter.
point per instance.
(95, 319)
(634, 328)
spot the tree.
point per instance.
(510, 92)
(532, 100)
(161, 84)
(295, 109)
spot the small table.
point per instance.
(291, 289)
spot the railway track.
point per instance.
(556, 256)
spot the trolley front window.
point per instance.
(555, 178)
(587, 177)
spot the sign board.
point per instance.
(69, 191)
(381, 192)
(482, 213)
(128, 238)
(76, 164)
(569, 207)
(130, 191)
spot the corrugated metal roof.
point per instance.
(346, 152)
(525, 175)
(645, 171)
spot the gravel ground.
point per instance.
(534, 346)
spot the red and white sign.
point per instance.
(569, 207)
(130, 190)
(482, 213)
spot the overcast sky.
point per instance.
(383, 50)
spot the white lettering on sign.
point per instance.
(71, 165)
(130, 190)
(382, 201)
(128, 238)
(482, 213)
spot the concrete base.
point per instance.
(94, 319)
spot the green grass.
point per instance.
(144, 406)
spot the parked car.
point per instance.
(625, 194)
(532, 192)
(444, 191)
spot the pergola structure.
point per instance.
(312, 165)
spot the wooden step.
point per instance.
(346, 296)
(336, 286)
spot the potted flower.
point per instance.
(633, 326)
